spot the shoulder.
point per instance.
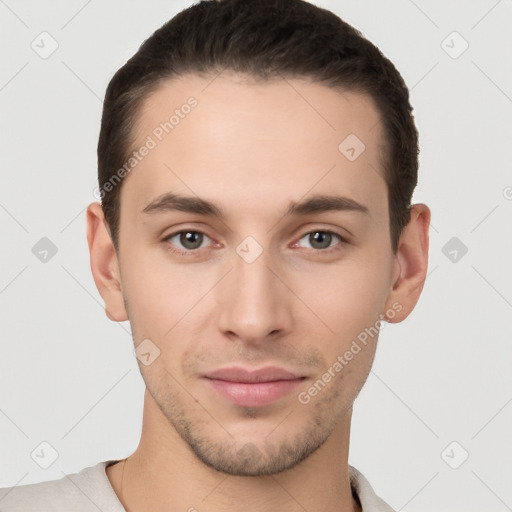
(370, 502)
(85, 491)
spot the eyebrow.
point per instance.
(316, 204)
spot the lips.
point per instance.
(268, 374)
(253, 388)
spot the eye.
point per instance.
(188, 240)
(321, 240)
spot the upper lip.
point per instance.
(238, 374)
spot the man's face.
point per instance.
(258, 287)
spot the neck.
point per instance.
(164, 474)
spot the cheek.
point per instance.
(346, 297)
(349, 305)
(160, 294)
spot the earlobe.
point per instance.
(411, 262)
(104, 263)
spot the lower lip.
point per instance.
(255, 394)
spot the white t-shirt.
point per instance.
(90, 491)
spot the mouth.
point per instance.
(255, 388)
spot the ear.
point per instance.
(104, 263)
(411, 261)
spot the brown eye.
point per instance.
(187, 240)
(191, 239)
(321, 240)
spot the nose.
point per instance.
(254, 301)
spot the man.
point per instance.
(256, 167)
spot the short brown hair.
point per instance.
(264, 39)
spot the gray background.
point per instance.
(69, 375)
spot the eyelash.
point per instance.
(195, 252)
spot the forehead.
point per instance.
(226, 135)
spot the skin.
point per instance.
(252, 148)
